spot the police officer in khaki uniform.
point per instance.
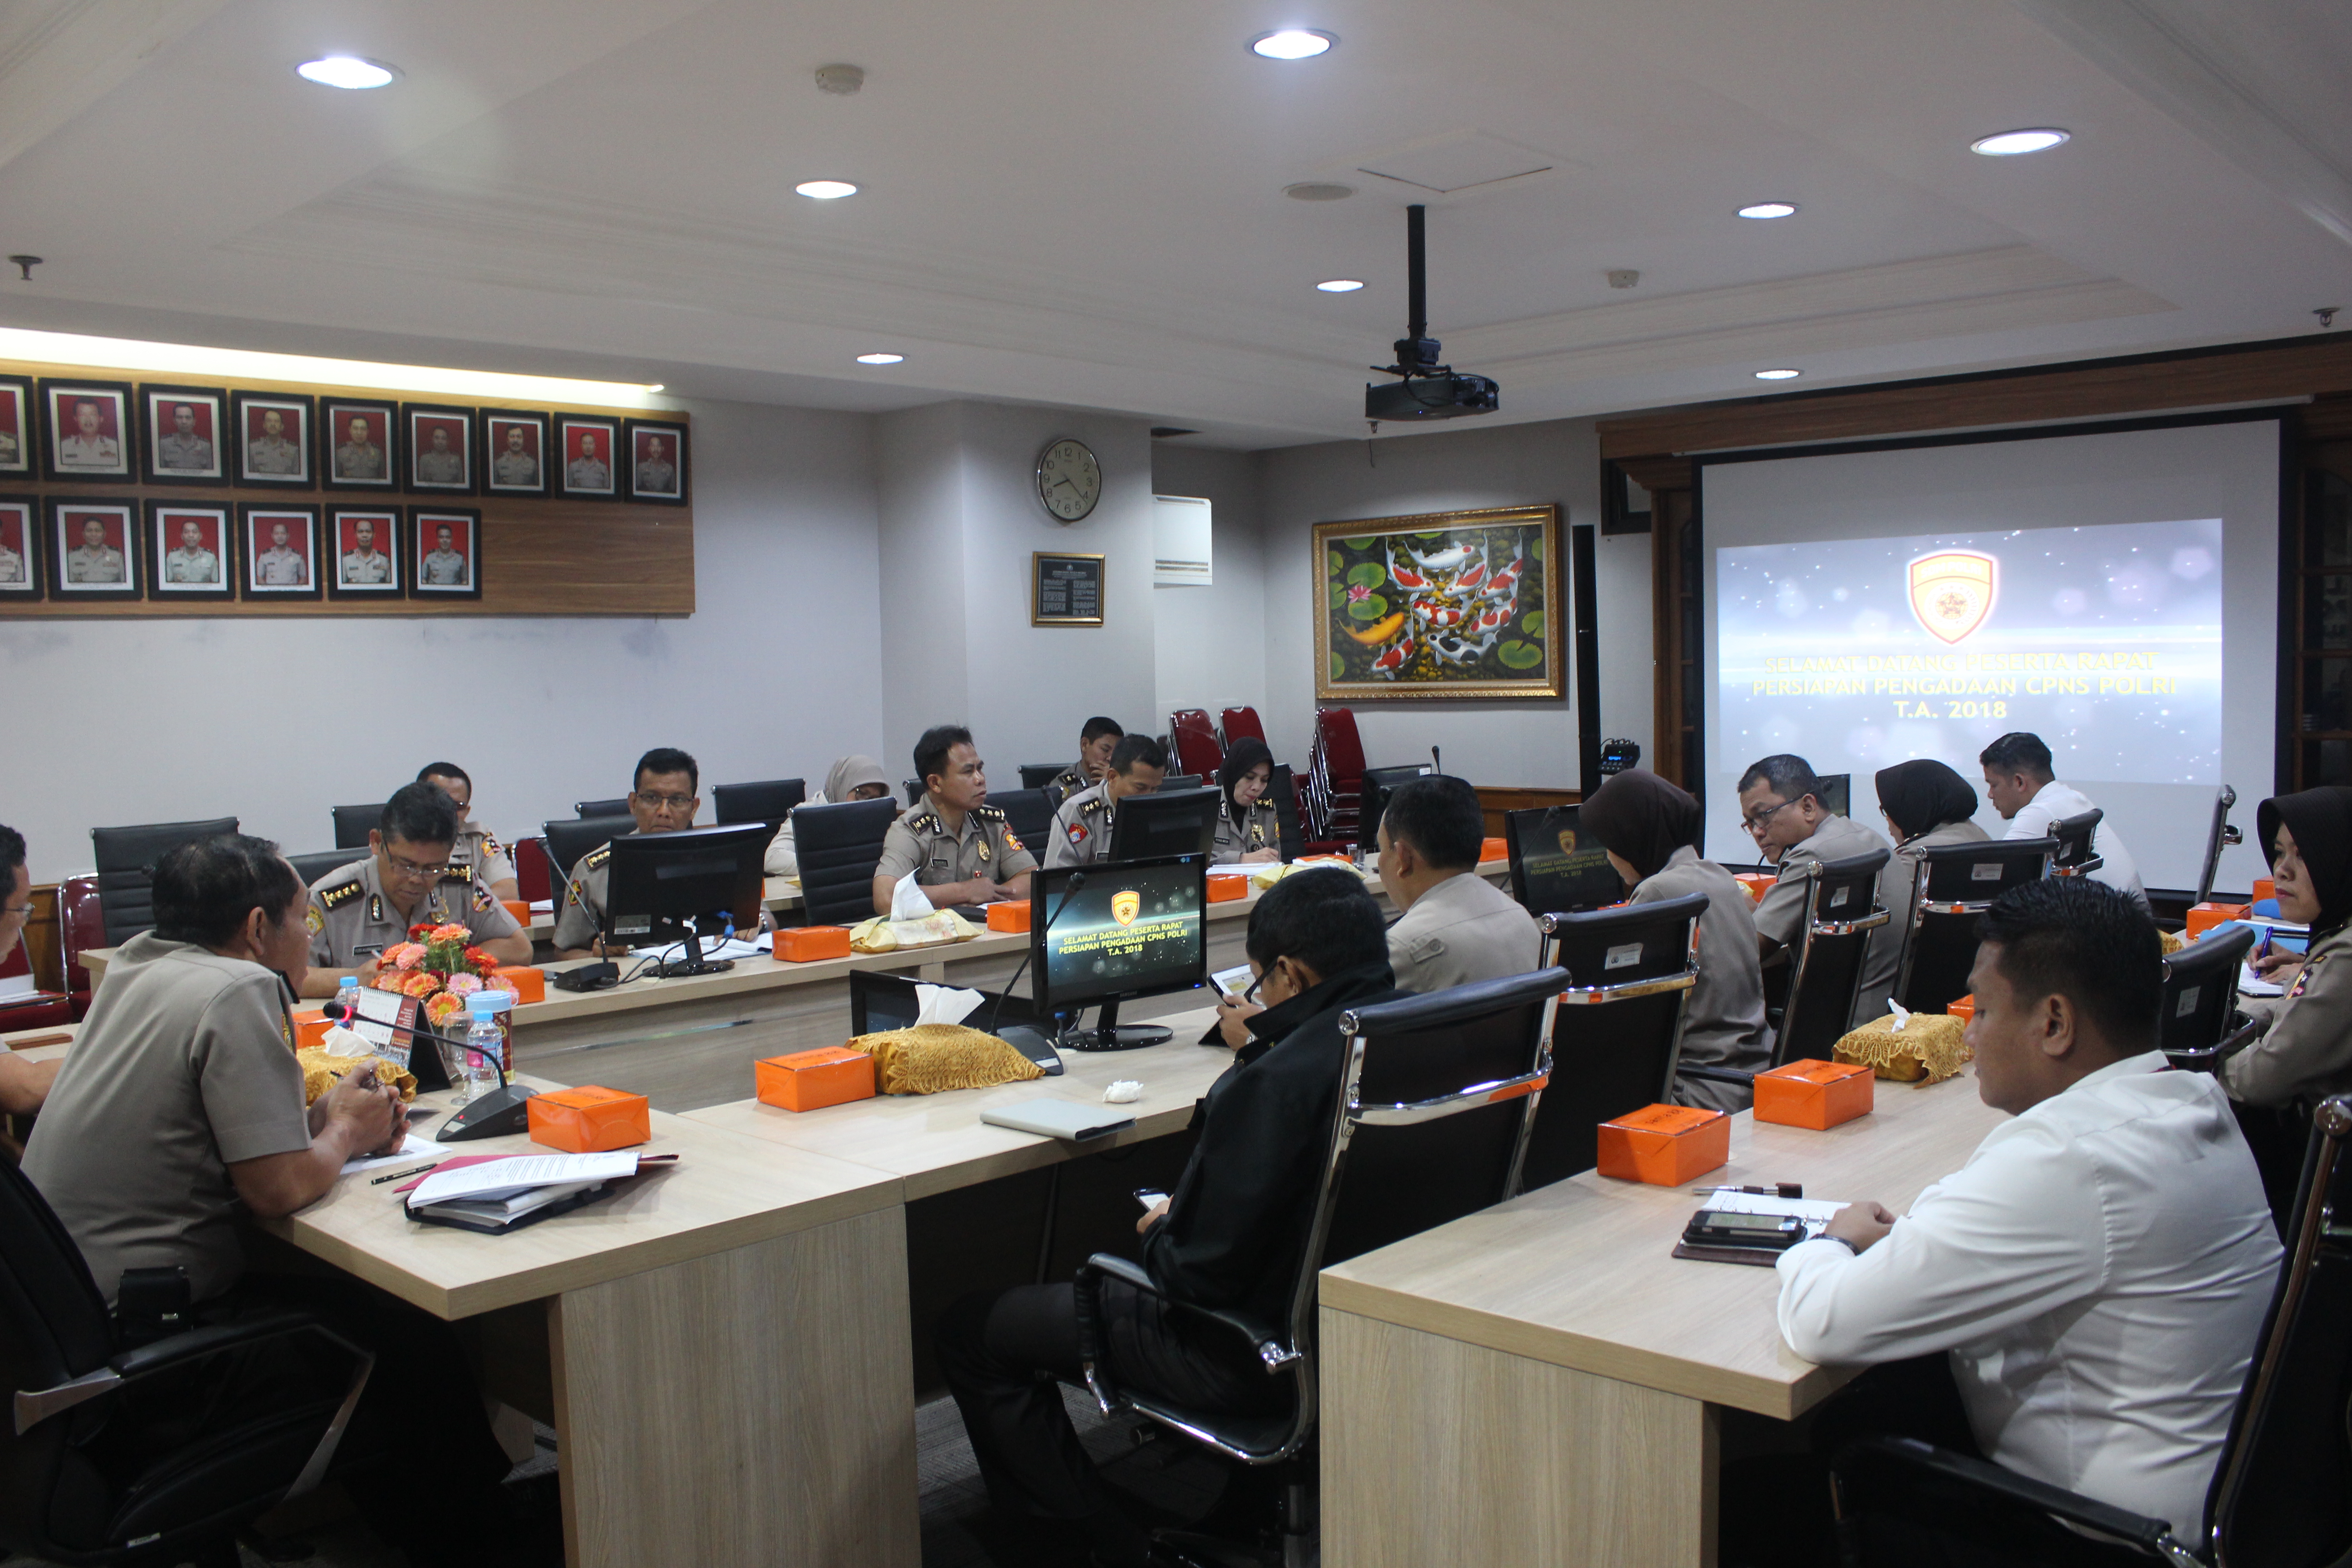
(665, 800)
(1458, 927)
(2304, 1051)
(961, 848)
(475, 847)
(1249, 830)
(408, 880)
(1790, 823)
(1096, 740)
(1082, 827)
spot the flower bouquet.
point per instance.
(439, 967)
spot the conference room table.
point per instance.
(1568, 1373)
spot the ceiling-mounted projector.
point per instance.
(1424, 388)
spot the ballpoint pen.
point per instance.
(1777, 1190)
(379, 1181)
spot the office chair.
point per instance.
(1954, 884)
(1825, 972)
(2216, 838)
(1239, 723)
(1335, 776)
(567, 842)
(1038, 776)
(353, 823)
(1435, 1096)
(318, 863)
(81, 925)
(914, 792)
(2074, 855)
(839, 846)
(126, 860)
(769, 801)
(584, 809)
(1290, 824)
(2199, 999)
(66, 1501)
(1029, 814)
(2279, 1492)
(1181, 781)
(1617, 1038)
(1196, 748)
(534, 878)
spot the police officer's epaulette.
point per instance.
(463, 874)
(988, 813)
(597, 857)
(1094, 805)
(928, 822)
(340, 894)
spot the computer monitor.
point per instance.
(1556, 866)
(666, 886)
(1171, 822)
(1104, 933)
(1835, 792)
(1378, 785)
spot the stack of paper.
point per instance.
(499, 1194)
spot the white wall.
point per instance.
(273, 721)
(1210, 642)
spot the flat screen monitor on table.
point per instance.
(673, 887)
(1111, 932)
(1171, 822)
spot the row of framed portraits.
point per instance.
(92, 551)
(102, 432)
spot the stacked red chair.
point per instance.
(533, 881)
(1335, 778)
(1195, 739)
(1239, 723)
(81, 925)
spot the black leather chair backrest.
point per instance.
(126, 859)
(1953, 885)
(1283, 792)
(2073, 834)
(1181, 781)
(355, 823)
(1826, 972)
(1619, 1028)
(914, 793)
(1030, 814)
(588, 808)
(2283, 1490)
(2201, 990)
(312, 867)
(839, 846)
(769, 801)
(53, 1328)
(1038, 776)
(568, 841)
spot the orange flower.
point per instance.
(440, 1009)
(420, 983)
(451, 932)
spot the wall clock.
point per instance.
(1069, 480)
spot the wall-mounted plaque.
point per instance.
(1064, 589)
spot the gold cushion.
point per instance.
(1929, 1047)
(321, 1069)
(930, 1057)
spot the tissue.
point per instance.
(907, 901)
(1126, 1091)
(944, 1004)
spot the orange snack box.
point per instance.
(811, 1080)
(529, 985)
(1757, 883)
(2264, 887)
(2203, 918)
(589, 1120)
(806, 944)
(1010, 915)
(310, 1029)
(1224, 887)
(1664, 1145)
(1963, 1009)
(1490, 850)
(520, 910)
(1814, 1094)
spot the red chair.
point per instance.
(1195, 739)
(1239, 723)
(81, 925)
(30, 1010)
(533, 880)
(1335, 777)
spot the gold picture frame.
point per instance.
(1059, 582)
(1440, 606)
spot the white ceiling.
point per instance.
(1080, 201)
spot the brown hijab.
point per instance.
(1641, 818)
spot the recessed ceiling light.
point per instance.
(1770, 209)
(346, 70)
(1778, 375)
(2009, 143)
(1340, 285)
(881, 359)
(655, 387)
(1318, 190)
(1293, 43)
(825, 190)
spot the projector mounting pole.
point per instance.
(1416, 272)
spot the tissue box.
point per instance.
(1964, 1009)
(1757, 883)
(2203, 918)
(1224, 887)
(520, 910)
(811, 1080)
(589, 1120)
(1813, 1094)
(1664, 1145)
(310, 1029)
(1011, 916)
(806, 944)
(529, 985)
(2264, 887)
(1492, 849)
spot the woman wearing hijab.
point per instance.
(851, 778)
(2305, 1052)
(1651, 830)
(1246, 829)
(1927, 804)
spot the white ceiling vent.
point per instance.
(1462, 160)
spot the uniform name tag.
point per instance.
(1623, 957)
(1989, 871)
(368, 950)
(2187, 1002)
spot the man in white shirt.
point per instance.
(2021, 785)
(2098, 1273)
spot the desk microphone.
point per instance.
(504, 1110)
(1077, 879)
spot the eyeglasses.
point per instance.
(401, 868)
(1755, 822)
(674, 802)
(1251, 995)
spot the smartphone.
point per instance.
(1150, 1199)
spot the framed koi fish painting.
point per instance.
(1445, 604)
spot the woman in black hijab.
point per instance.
(1926, 805)
(1651, 830)
(2305, 1052)
(1246, 826)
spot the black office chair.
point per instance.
(567, 842)
(1825, 972)
(1283, 792)
(126, 862)
(588, 808)
(1435, 1100)
(312, 867)
(1029, 814)
(355, 823)
(2073, 857)
(64, 1499)
(914, 792)
(1954, 884)
(1617, 1036)
(1181, 781)
(2279, 1492)
(1038, 776)
(2199, 998)
(769, 801)
(839, 846)
(2218, 837)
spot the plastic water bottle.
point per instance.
(348, 994)
(485, 1044)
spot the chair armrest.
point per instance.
(1961, 1473)
(1716, 1075)
(1259, 1335)
(34, 1406)
(2208, 1058)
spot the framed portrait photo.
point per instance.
(16, 425)
(359, 444)
(587, 455)
(277, 550)
(272, 430)
(93, 550)
(183, 435)
(194, 549)
(21, 576)
(446, 545)
(656, 454)
(440, 448)
(364, 554)
(1443, 605)
(514, 453)
(89, 431)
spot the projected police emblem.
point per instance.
(1125, 907)
(1952, 591)
(1568, 840)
